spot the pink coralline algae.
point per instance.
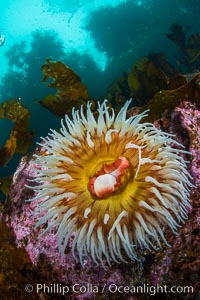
(84, 282)
(177, 265)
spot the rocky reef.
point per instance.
(31, 265)
(179, 264)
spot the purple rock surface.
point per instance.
(174, 266)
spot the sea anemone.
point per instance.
(112, 183)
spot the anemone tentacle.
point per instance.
(112, 182)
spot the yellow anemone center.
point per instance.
(87, 163)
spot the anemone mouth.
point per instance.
(110, 178)
(113, 182)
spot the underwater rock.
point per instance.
(183, 258)
(43, 252)
(154, 268)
